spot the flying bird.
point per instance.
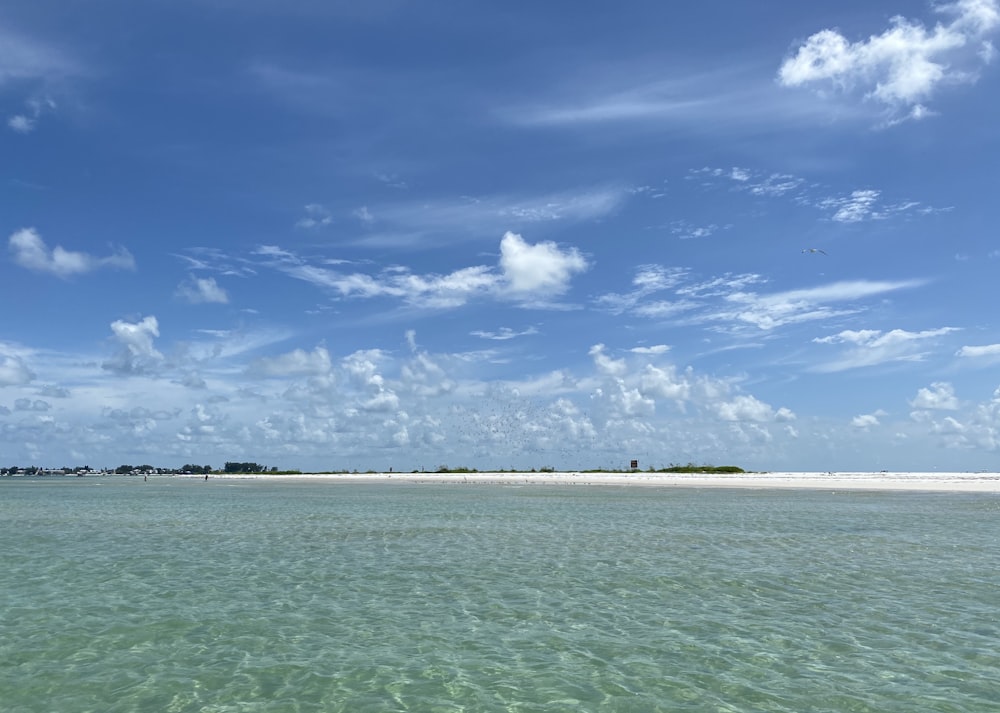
(813, 250)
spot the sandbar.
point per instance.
(978, 482)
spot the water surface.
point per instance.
(184, 595)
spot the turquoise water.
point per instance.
(181, 595)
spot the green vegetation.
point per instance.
(692, 468)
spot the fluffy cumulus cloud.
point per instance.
(13, 371)
(542, 269)
(198, 290)
(867, 421)
(905, 65)
(938, 396)
(941, 418)
(136, 353)
(30, 251)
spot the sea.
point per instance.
(179, 595)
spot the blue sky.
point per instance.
(341, 235)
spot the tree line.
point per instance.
(143, 469)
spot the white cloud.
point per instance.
(364, 215)
(868, 420)
(648, 280)
(744, 407)
(542, 268)
(634, 96)
(865, 421)
(295, 363)
(26, 123)
(905, 65)
(137, 354)
(855, 207)
(606, 364)
(21, 124)
(871, 347)
(13, 371)
(756, 183)
(317, 216)
(795, 306)
(527, 273)
(655, 349)
(470, 217)
(197, 290)
(728, 299)
(684, 230)
(940, 396)
(662, 309)
(665, 383)
(865, 205)
(30, 251)
(504, 333)
(23, 58)
(975, 352)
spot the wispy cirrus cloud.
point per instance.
(756, 183)
(985, 351)
(648, 280)
(856, 206)
(733, 302)
(768, 311)
(202, 290)
(526, 273)
(30, 251)
(24, 58)
(903, 67)
(634, 96)
(430, 222)
(872, 347)
(504, 333)
(316, 216)
(39, 71)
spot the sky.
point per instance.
(332, 235)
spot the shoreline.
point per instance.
(861, 480)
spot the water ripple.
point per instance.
(181, 597)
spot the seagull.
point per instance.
(813, 250)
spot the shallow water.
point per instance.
(184, 595)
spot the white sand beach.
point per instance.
(956, 482)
